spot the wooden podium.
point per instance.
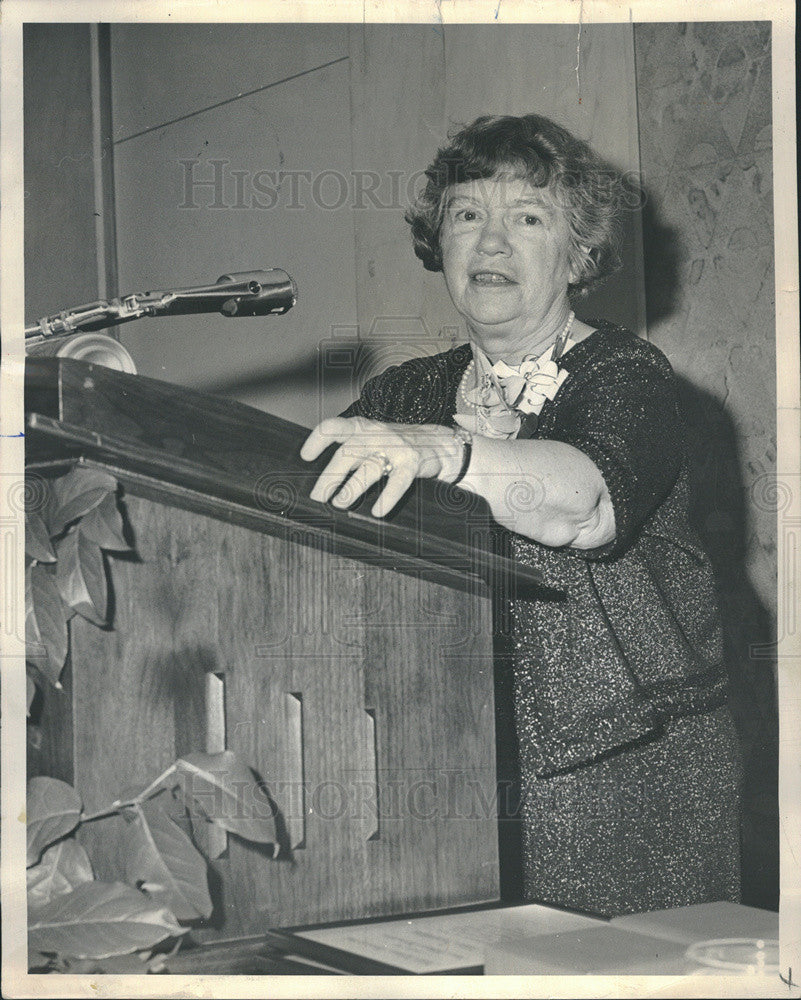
(347, 660)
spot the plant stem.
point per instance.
(109, 811)
(154, 784)
(117, 805)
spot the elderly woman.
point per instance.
(571, 432)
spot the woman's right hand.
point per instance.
(370, 450)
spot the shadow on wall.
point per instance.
(338, 370)
(295, 377)
(720, 515)
(662, 253)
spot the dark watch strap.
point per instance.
(467, 451)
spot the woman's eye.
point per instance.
(531, 220)
(467, 215)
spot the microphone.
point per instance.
(242, 293)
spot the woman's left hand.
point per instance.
(370, 450)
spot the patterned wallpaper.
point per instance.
(704, 100)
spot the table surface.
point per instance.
(540, 940)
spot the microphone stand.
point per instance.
(249, 293)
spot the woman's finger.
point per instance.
(342, 463)
(397, 484)
(328, 432)
(364, 476)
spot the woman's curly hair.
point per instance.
(546, 155)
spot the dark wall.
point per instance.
(59, 169)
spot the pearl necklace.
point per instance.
(558, 347)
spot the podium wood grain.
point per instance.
(360, 695)
(341, 636)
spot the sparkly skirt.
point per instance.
(652, 826)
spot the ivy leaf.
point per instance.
(63, 867)
(37, 539)
(81, 576)
(158, 853)
(76, 494)
(226, 791)
(103, 526)
(45, 623)
(100, 920)
(53, 810)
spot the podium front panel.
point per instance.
(361, 696)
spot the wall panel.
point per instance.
(164, 71)
(174, 230)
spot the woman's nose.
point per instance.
(492, 237)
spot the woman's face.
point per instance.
(506, 260)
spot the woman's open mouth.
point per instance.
(490, 278)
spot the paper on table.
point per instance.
(419, 949)
(447, 941)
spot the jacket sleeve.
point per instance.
(414, 392)
(371, 399)
(625, 417)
